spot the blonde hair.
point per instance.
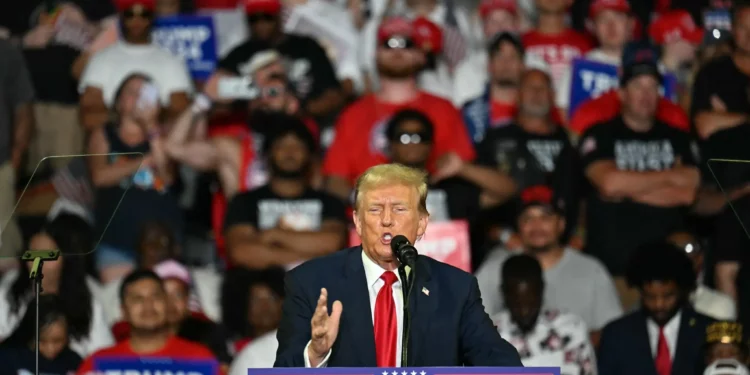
(392, 174)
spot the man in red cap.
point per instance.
(613, 27)
(435, 76)
(360, 141)
(679, 37)
(310, 70)
(134, 53)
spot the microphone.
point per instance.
(404, 251)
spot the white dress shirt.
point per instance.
(671, 330)
(372, 273)
(260, 353)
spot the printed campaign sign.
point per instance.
(192, 38)
(152, 366)
(590, 79)
(717, 19)
(446, 241)
(409, 371)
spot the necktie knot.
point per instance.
(389, 277)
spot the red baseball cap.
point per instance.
(599, 6)
(263, 6)
(395, 26)
(673, 26)
(488, 6)
(427, 35)
(123, 5)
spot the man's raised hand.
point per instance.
(325, 328)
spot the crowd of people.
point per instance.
(606, 233)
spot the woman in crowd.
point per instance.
(17, 353)
(66, 278)
(129, 157)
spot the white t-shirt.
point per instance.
(100, 336)
(109, 67)
(260, 353)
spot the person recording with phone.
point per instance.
(366, 280)
(149, 180)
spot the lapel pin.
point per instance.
(426, 291)
(692, 322)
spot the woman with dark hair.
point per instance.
(17, 353)
(262, 293)
(149, 181)
(66, 278)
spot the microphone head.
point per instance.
(398, 241)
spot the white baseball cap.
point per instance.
(726, 367)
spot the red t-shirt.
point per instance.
(175, 348)
(557, 50)
(360, 140)
(607, 106)
(502, 113)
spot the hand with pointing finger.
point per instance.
(325, 329)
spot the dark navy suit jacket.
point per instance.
(624, 348)
(449, 325)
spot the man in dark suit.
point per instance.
(665, 336)
(448, 324)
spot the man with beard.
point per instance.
(576, 282)
(360, 141)
(665, 336)
(542, 336)
(144, 307)
(454, 190)
(284, 222)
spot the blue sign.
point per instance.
(409, 371)
(717, 19)
(590, 79)
(155, 365)
(192, 38)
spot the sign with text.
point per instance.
(446, 241)
(590, 79)
(717, 19)
(151, 366)
(409, 371)
(191, 38)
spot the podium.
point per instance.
(408, 371)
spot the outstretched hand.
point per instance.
(325, 328)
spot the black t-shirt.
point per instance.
(309, 68)
(615, 229)
(452, 199)
(17, 18)
(534, 159)
(50, 69)
(262, 208)
(20, 360)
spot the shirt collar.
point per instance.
(373, 271)
(672, 326)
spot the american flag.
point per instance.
(455, 45)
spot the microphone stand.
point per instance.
(408, 284)
(38, 257)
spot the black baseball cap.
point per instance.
(639, 58)
(503, 37)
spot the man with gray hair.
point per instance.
(390, 200)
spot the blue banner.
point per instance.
(192, 38)
(154, 365)
(717, 19)
(409, 371)
(589, 79)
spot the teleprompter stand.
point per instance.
(38, 257)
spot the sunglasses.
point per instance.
(258, 17)
(405, 138)
(398, 42)
(138, 11)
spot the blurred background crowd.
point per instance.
(579, 161)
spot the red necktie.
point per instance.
(663, 360)
(385, 323)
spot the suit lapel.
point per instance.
(422, 303)
(357, 311)
(689, 334)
